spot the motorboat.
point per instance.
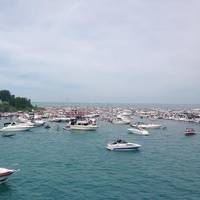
(122, 145)
(121, 120)
(59, 119)
(146, 126)
(5, 173)
(189, 131)
(14, 127)
(38, 123)
(138, 131)
(83, 126)
(64, 119)
(55, 119)
(28, 124)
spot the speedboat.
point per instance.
(55, 119)
(38, 123)
(146, 126)
(189, 131)
(83, 126)
(14, 127)
(5, 173)
(117, 121)
(28, 124)
(138, 131)
(121, 145)
(121, 120)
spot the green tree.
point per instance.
(11, 103)
(12, 100)
(22, 103)
(4, 107)
(5, 95)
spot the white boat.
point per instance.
(22, 119)
(138, 131)
(83, 126)
(38, 123)
(55, 119)
(27, 124)
(121, 120)
(116, 121)
(14, 127)
(5, 173)
(121, 145)
(146, 126)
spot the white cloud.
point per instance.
(129, 51)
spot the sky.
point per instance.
(120, 51)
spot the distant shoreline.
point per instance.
(137, 105)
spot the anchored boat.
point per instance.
(138, 131)
(189, 131)
(122, 145)
(146, 126)
(83, 126)
(14, 127)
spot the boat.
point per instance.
(122, 145)
(121, 120)
(189, 131)
(38, 123)
(28, 124)
(59, 119)
(83, 126)
(146, 126)
(138, 131)
(14, 127)
(64, 119)
(5, 173)
(55, 119)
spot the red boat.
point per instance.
(189, 131)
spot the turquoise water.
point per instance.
(56, 164)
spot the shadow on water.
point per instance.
(8, 135)
(5, 188)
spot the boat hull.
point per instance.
(83, 128)
(150, 126)
(5, 175)
(138, 132)
(121, 122)
(147, 126)
(123, 149)
(14, 129)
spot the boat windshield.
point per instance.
(120, 142)
(84, 123)
(6, 124)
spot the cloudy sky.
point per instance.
(136, 51)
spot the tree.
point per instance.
(5, 95)
(22, 103)
(12, 100)
(11, 103)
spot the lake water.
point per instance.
(57, 164)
